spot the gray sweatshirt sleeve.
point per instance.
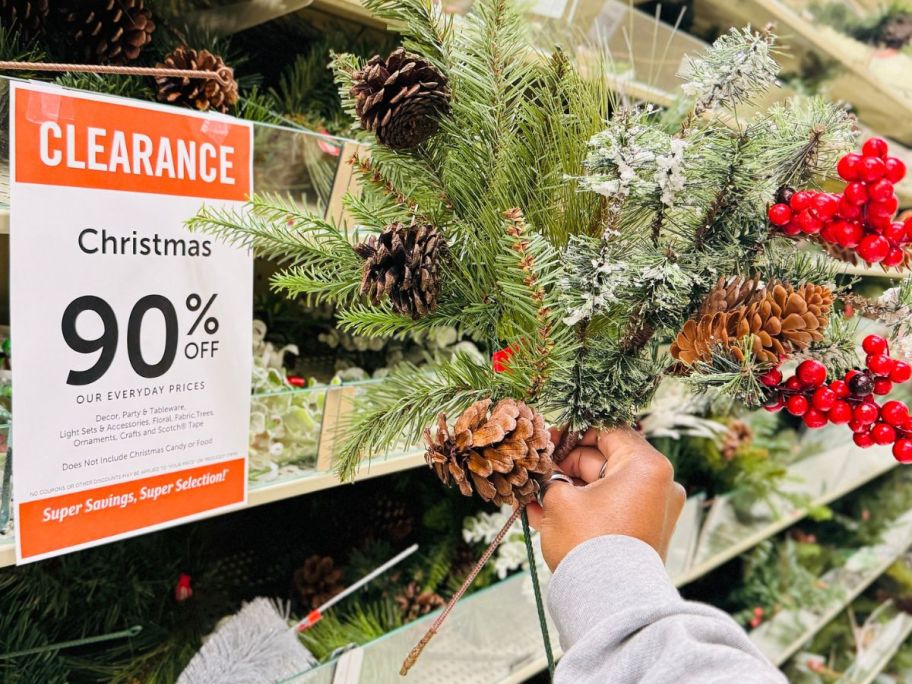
(621, 620)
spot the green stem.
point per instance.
(536, 589)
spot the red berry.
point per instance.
(825, 205)
(875, 147)
(879, 364)
(811, 373)
(840, 388)
(894, 257)
(849, 167)
(830, 232)
(840, 413)
(877, 223)
(775, 405)
(848, 234)
(792, 227)
(902, 450)
(863, 439)
(809, 223)
(848, 209)
(873, 344)
(882, 433)
(882, 386)
(901, 371)
(894, 412)
(880, 191)
(855, 426)
(873, 248)
(866, 414)
(797, 405)
(823, 399)
(883, 207)
(814, 419)
(908, 224)
(801, 200)
(772, 377)
(896, 169)
(856, 193)
(872, 169)
(780, 214)
(895, 233)
(793, 383)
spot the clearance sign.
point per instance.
(132, 334)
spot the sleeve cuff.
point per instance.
(603, 577)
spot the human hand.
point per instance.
(635, 496)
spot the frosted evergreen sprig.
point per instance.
(732, 71)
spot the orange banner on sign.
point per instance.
(68, 520)
(64, 139)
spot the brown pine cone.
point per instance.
(402, 262)
(778, 319)
(738, 433)
(414, 603)
(728, 294)
(198, 93)
(496, 454)
(317, 581)
(400, 98)
(110, 31)
(27, 16)
(390, 518)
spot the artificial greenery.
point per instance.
(585, 279)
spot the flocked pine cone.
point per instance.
(778, 319)
(496, 453)
(27, 16)
(110, 31)
(317, 581)
(199, 93)
(896, 31)
(413, 602)
(400, 98)
(402, 263)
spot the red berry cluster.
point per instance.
(859, 218)
(850, 400)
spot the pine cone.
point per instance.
(391, 518)
(317, 581)
(110, 31)
(739, 433)
(414, 603)
(402, 263)
(896, 31)
(498, 453)
(728, 294)
(198, 93)
(400, 99)
(27, 16)
(778, 319)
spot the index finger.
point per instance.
(620, 444)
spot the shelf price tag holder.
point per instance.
(132, 334)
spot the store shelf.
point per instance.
(508, 608)
(782, 636)
(878, 655)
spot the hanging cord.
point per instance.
(536, 589)
(413, 655)
(121, 70)
(122, 634)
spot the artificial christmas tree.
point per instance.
(110, 31)
(197, 93)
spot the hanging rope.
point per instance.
(120, 70)
(413, 655)
(536, 589)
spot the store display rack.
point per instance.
(878, 655)
(508, 609)
(783, 635)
